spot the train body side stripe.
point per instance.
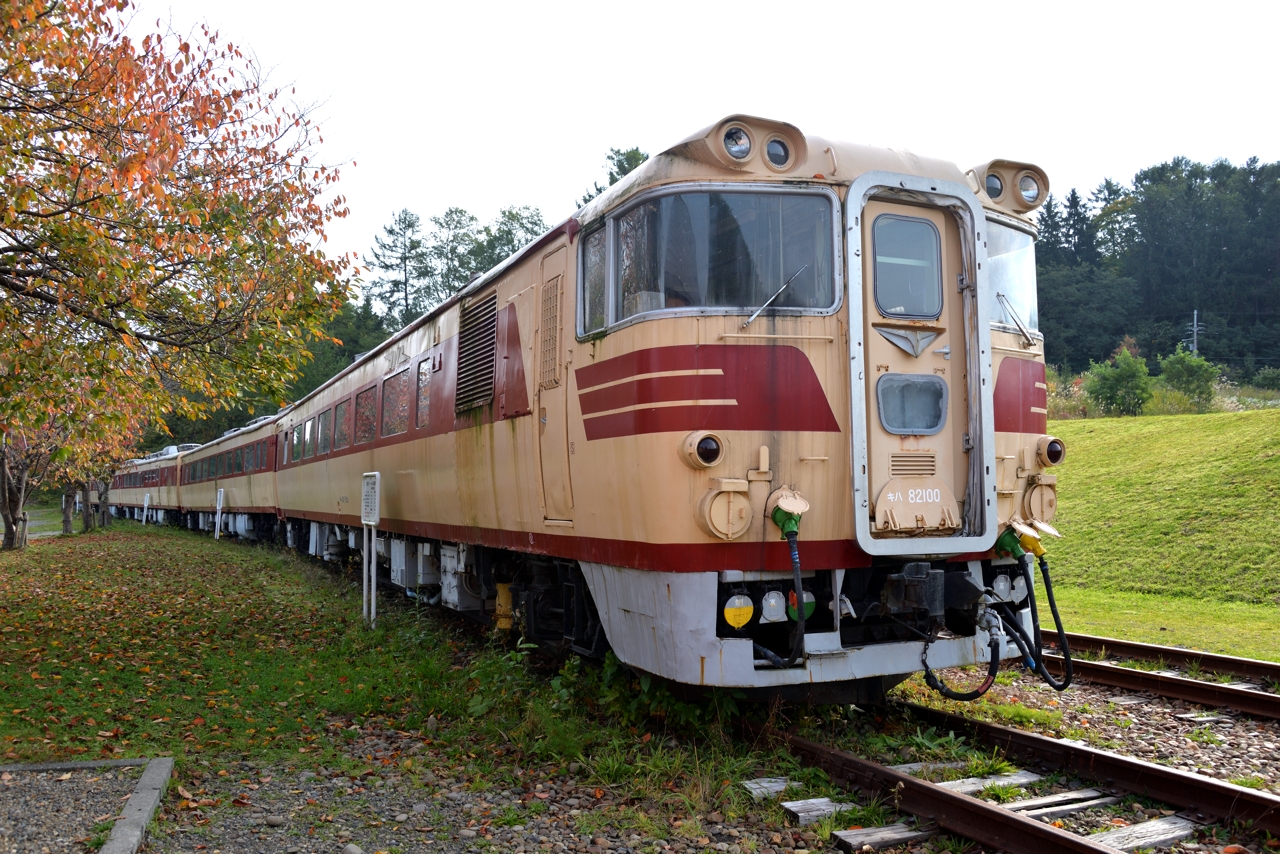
(659, 557)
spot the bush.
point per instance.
(1170, 401)
(1190, 374)
(1268, 378)
(1121, 386)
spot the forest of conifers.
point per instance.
(1137, 261)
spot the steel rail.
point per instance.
(1248, 668)
(1257, 703)
(1203, 797)
(990, 825)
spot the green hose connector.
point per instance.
(1008, 544)
(788, 522)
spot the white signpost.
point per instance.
(217, 519)
(146, 503)
(370, 516)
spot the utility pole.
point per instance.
(1194, 329)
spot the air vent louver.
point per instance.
(913, 465)
(477, 353)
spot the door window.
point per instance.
(912, 404)
(908, 267)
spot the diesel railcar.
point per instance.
(767, 414)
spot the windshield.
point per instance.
(1011, 270)
(725, 250)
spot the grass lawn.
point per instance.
(1170, 523)
(151, 641)
(47, 520)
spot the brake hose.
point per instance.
(993, 668)
(797, 648)
(1068, 672)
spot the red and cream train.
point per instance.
(595, 435)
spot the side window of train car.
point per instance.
(309, 439)
(262, 454)
(424, 392)
(395, 404)
(239, 461)
(594, 311)
(342, 425)
(295, 444)
(908, 267)
(324, 430)
(366, 415)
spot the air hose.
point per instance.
(790, 524)
(1010, 543)
(993, 667)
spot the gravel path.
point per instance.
(259, 808)
(50, 811)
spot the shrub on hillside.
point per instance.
(1121, 386)
(1170, 401)
(1268, 378)
(1191, 375)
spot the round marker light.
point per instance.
(1050, 451)
(777, 152)
(738, 610)
(737, 143)
(1002, 586)
(709, 450)
(995, 187)
(1029, 187)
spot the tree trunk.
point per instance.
(104, 511)
(13, 495)
(86, 509)
(68, 506)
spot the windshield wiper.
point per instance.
(774, 297)
(1008, 306)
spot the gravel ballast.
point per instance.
(51, 811)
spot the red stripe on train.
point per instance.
(1017, 393)
(753, 388)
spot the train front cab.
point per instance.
(904, 485)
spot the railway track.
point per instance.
(1022, 827)
(1249, 697)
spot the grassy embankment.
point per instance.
(1171, 530)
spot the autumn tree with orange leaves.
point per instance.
(161, 224)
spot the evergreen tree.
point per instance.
(401, 256)
(1078, 230)
(1051, 246)
(454, 237)
(1112, 224)
(514, 228)
(619, 163)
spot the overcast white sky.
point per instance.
(483, 105)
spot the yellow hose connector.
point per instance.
(1032, 544)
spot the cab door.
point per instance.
(917, 408)
(552, 403)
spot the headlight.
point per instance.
(738, 143)
(702, 450)
(1051, 451)
(778, 152)
(995, 187)
(1029, 187)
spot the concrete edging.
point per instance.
(128, 833)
